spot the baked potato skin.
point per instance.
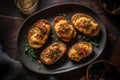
(53, 53)
(38, 33)
(85, 24)
(64, 29)
(79, 51)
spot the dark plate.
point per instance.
(64, 64)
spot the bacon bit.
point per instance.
(39, 62)
(82, 52)
(81, 24)
(52, 36)
(84, 24)
(43, 29)
(79, 36)
(57, 19)
(46, 22)
(58, 50)
(38, 35)
(84, 21)
(55, 57)
(65, 26)
(61, 32)
(76, 47)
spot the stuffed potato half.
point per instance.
(53, 53)
(38, 33)
(79, 51)
(85, 24)
(64, 29)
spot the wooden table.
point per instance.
(11, 19)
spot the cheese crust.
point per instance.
(53, 53)
(38, 34)
(64, 29)
(85, 24)
(79, 51)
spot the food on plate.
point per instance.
(38, 33)
(53, 53)
(85, 24)
(64, 30)
(79, 51)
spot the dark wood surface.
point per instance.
(11, 20)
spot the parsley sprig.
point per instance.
(93, 42)
(30, 52)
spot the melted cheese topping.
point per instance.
(38, 34)
(66, 34)
(93, 26)
(79, 51)
(53, 52)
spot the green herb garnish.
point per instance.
(53, 53)
(93, 42)
(56, 40)
(41, 67)
(88, 23)
(30, 52)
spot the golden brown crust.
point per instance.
(38, 33)
(53, 53)
(64, 29)
(74, 20)
(79, 51)
(58, 18)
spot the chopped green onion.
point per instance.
(93, 42)
(56, 40)
(41, 67)
(52, 54)
(88, 23)
(30, 52)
